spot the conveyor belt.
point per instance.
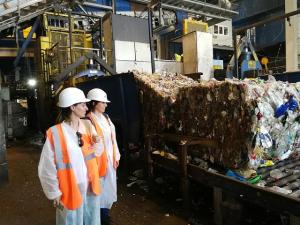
(290, 179)
(263, 196)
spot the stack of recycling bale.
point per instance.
(160, 103)
(238, 115)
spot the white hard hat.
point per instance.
(97, 94)
(71, 96)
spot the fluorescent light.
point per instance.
(32, 82)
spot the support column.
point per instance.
(151, 39)
(291, 37)
(184, 177)
(3, 162)
(217, 206)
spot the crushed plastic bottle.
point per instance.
(264, 138)
(296, 144)
(291, 104)
(261, 183)
(276, 173)
(281, 190)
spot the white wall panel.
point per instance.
(142, 51)
(124, 50)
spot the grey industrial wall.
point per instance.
(3, 162)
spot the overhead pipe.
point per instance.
(98, 6)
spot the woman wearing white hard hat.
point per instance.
(68, 169)
(108, 155)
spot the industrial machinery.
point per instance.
(189, 25)
(163, 20)
(57, 51)
(62, 51)
(249, 65)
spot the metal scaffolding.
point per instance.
(14, 12)
(196, 7)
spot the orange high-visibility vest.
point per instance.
(71, 196)
(102, 159)
(90, 159)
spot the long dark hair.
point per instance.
(64, 114)
(91, 106)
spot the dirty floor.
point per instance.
(22, 201)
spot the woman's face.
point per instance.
(100, 107)
(79, 109)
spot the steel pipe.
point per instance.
(263, 22)
(98, 6)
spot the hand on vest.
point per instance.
(96, 139)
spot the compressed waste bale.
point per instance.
(251, 120)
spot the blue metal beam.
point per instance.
(27, 41)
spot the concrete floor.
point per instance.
(22, 201)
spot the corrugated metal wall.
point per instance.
(249, 8)
(270, 35)
(251, 11)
